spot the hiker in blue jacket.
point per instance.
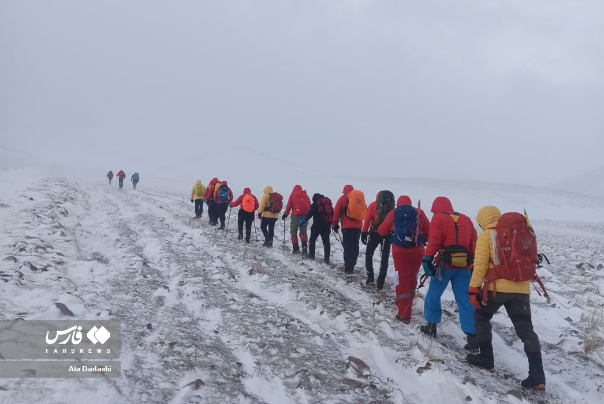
(135, 177)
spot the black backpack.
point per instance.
(385, 203)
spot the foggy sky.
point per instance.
(435, 89)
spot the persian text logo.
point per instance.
(94, 335)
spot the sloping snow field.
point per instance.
(263, 326)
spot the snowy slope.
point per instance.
(262, 326)
(590, 183)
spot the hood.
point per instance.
(442, 204)
(224, 183)
(403, 200)
(198, 182)
(297, 188)
(347, 189)
(488, 217)
(213, 182)
(316, 197)
(268, 190)
(247, 191)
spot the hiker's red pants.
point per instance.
(407, 262)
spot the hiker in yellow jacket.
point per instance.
(197, 196)
(514, 296)
(268, 218)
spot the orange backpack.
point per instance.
(248, 204)
(356, 207)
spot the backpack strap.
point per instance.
(455, 217)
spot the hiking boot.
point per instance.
(269, 243)
(247, 240)
(221, 228)
(265, 243)
(403, 320)
(312, 257)
(369, 282)
(296, 249)
(484, 359)
(379, 285)
(326, 260)
(240, 237)
(429, 329)
(472, 344)
(536, 376)
(304, 248)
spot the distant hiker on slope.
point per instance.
(375, 215)
(197, 195)
(110, 176)
(299, 204)
(408, 233)
(268, 213)
(249, 204)
(134, 179)
(209, 197)
(321, 212)
(222, 196)
(497, 257)
(351, 209)
(120, 176)
(453, 238)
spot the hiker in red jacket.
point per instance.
(351, 228)
(209, 198)
(407, 255)
(120, 176)
(223, 196)
(299, 204)
(249, 204)
(453, 238)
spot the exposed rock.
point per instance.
(10, 258)
(468, 379)
(195, 385)
(468, 398)
(515, 393)
(355, 384)
(64, 310)
(570, 320)
(32, 267)
(359, 366)
(149, 326)
(600, 266)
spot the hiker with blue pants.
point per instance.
(453, 238)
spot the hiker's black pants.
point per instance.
(212, 212)
(221, 209)
(315, 232)
(246, 218)
(121, 182)
(518, 307)
(198, 207)
(267, 225)
(375, 241)
(350, 239)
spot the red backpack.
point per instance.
(515, 255)
(275, 202)
(326, 209)
(248, 203)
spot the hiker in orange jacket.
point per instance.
(249, 204)
(407, 255)
(351, 229)
(222, 196)
(376, 212)
(120, 176)
(209, 198)
(299, 204)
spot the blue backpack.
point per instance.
(223, 193)
(405, 225)
(135, 177)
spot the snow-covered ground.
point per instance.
(206, 318)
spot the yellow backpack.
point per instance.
(200, 190)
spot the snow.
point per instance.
(263, 326)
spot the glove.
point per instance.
(302, 221)
(364, 238)
(427, 265)
(284, 217)
(192, 201)
(475, 297)
(336, 227)
(259, 216)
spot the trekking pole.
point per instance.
(255, 231)
(283, 242)
(228, 221)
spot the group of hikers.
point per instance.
(486, 271)
(120, 177)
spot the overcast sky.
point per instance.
(508, 91)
